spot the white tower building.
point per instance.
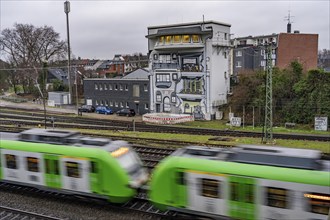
(189, 68)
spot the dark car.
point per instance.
(126, 112)
(86, 108)
(103, 110)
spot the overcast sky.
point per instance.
(100, 29)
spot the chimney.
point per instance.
(288, 28)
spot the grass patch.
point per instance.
(204, 139)
(222, 125)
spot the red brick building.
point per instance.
(249, 53)
(296, 46)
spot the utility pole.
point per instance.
(268, 123)
(67, 10)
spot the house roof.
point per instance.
(58, 73)
(137, 74)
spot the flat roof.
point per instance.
(189, 24)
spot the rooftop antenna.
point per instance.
(288, 18)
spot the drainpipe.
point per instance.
(207, 59)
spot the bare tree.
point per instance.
(27, 47)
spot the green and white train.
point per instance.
(68, 162)
(245, 182)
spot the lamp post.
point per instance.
(67, 10)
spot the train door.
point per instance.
(75, 174)
(1, 177)
(242, 197)
(180, 188)
(95, 177)
(52, 171)
(206, 192)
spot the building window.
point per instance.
(263, 63)
(96, 86)
(145, 87)
(174, 76)
(168, 39)
(262, 52)
(225, 55)
(210, 188)
(116, 104)
(127, 105)
(105, 86)
(193, 86)
(126, 87)
(195, 38)
(111, 103)
(96, 102)
(110, 86)
(120, 86)
(239, 64)
(238, 53)
(158, 96)
(121, 104)
(32, 164)
(101, 102)
(106, 102)
(136, 90)
(173, 98)
(226, 36)
(167, 105)
(116, 86)
(146, 106)
(318, 203)
(11, 162)
(72, 169)
(163, 78)
(161, 39)
(276, 197)
(177, 39)
(186, 39)
(101, 88)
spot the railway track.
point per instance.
(7, 213)
(139, 204)
(65, 121)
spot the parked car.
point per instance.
(126, 112)
(86, 108)
(104, 110)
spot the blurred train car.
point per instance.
(245, 182)
(71, 163)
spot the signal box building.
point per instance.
(189, 68)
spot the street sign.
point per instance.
(236, 121)
(321, 123)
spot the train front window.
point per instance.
(127, 159)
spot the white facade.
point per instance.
(189, 68)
